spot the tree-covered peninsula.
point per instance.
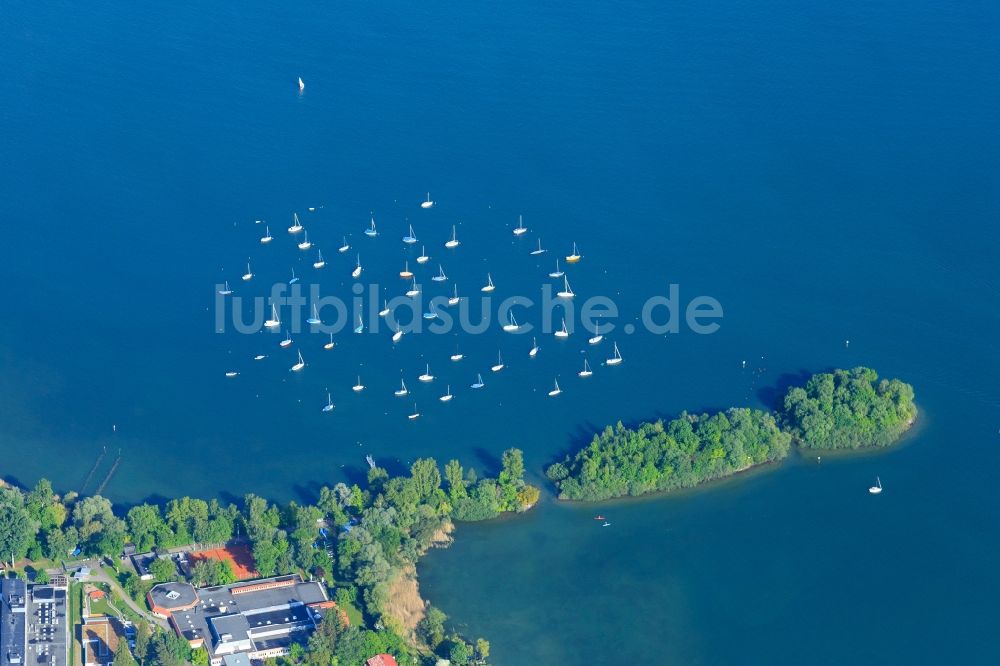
(849, 409)
(846, 409)
(660, 456)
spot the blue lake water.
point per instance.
(827, 173)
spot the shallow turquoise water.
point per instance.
(826, 173)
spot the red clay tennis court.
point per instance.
(239, 557)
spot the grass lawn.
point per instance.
(75, 595)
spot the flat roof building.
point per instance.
(255, 619)
(13, 611)
(47, 626)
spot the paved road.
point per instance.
(98, 573)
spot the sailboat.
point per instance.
(225, 291)
(457, 356)
(287, 342)
(555, 391)
(453, 243)
(539, 249)
(575, 257)
(499, 366)
(231, 374)
(384, 312)
(301, 364)
(440, 277)
(520, 229)
(260, 357)
(427, 376)
(616, 359)
(447, 396)
(296, 225)
(315, 316)
(415, 413)
(302, 85)
(563, 332)
(398, 335)
(511, 326)
(413, 291)
(556, 273)
(586, 372)
(345, 247)
(266, 238)
(402, 390)
(411, 237)
(370, 231)
(328, 407)
(478, 384)
(356, 273)
(567, 291)
(428, 203)
(423, 258)
(406, 273)
(360, 328)
(534, 348)
(359, 387)
(489, 284)
(454, 299)
(275, 320)
(320, 262)
(293, 279)
(877, 488)
(305, 244)
(597, 334)
(331, 344)
(249, 274)
(431, 314)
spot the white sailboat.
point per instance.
(266, 238)
(370, 231)
(478, 384)
(539, 249)
(410, 238)
(384, 312)
(511, 326)
(406, 273)
(575, 257)
(423, 258)
(454, 299)
(314, 319)
(328, 407)
(557, 273)
(320, 261)
(563, 332)
(447, 396)
(567, 291)
(402, 390)
(415, 414)
(302, 85)
(356, 273)
(597, 334)
(287, 342)
(427, 376)
(345, 247)
(249, 274)
(260, 357)
(520, 229)
(296, 225)
(616, 359)
(489, 284)
(231, 374)
(534, 348)
(414, 291)
(499, 366)
(453, 243)
(305, 244)
(359, 387)
(586, 372)
(298, 366)
(293, 279)
(428, 203)
(275, 320)
(877, 488)
(555, 391)
(398, 335)
(225, 291)
(440, 277)
(457, 356)
(331, 344)
(360, 328)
